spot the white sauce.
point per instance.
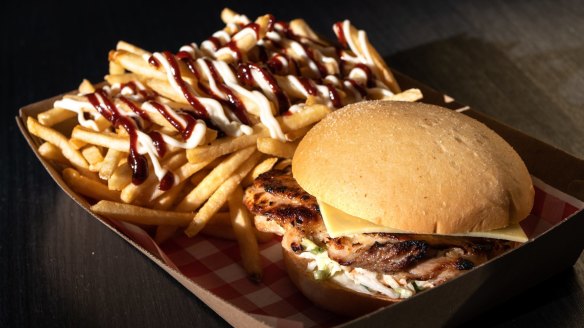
(213, 107)
(358, 279)
(79, 107)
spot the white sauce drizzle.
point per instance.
(79, 107)
(213, 107)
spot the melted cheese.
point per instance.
(339, 223)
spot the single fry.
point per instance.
(262, 167)
(244, 232)
(168, 199)
(410, 95)
(86, 87)
(216, 201)
(283, 164)
(94, 157)
(115, 69)
(225, 146)
(122, 77)
(297, 134)
(136, 64)
(120, 178)
(77, 144)
(53, 116)
(199, 176)
(276, 147)
(104, 139)
(52, 152)
(211, 182)
(309, 115)
(123, 45)
(110, 163)
(88, 187)
(59, 140)
(140, 215)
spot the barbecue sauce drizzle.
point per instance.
(108, 109)
(265, 68)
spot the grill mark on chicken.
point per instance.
(278, 197)
(282, 206)
(390, 257)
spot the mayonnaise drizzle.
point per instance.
(80, 107)
(213, 107)
(288, 54)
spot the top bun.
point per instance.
(414, 167)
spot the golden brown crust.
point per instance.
(414, 167)
(327, 293)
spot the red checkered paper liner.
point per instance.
(215, 264)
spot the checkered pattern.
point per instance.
(215, 265)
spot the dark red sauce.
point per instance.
(368, 73)
(271, 22)
(275, 63)
(255, 27)
(199, 109)
(142, 113)
(108, 109)
(183, 55)
(215, 41)
(308, 85)
(185, 131)
(334, 96)
(245, 75)
(234, 103)
(154, 62)
(358, 87)
(338, 27)
(158, 143)
(321, 68)
(167, 181)
(232, 45)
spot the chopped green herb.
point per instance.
(322, 274)
(416, 287)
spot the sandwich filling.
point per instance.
(396, 265)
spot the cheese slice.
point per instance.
(339, 223)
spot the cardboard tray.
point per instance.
(556, 247)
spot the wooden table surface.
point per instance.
(521, 62)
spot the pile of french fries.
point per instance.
(209, 179)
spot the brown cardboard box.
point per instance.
(450, 304)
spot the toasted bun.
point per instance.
(327, 293)
(414, 167)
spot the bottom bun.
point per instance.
(327, 293)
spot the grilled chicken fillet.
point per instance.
(281, 206)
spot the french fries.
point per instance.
(219, 197)
(59, 140)
(172, 139)
(54, 116)
(225, 146)
(262, 167)
(211, 182)
(52, 152)
(88, 187)
(243, 229)
(276, 147)
(140, 215)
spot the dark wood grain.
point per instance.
(521, 62)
